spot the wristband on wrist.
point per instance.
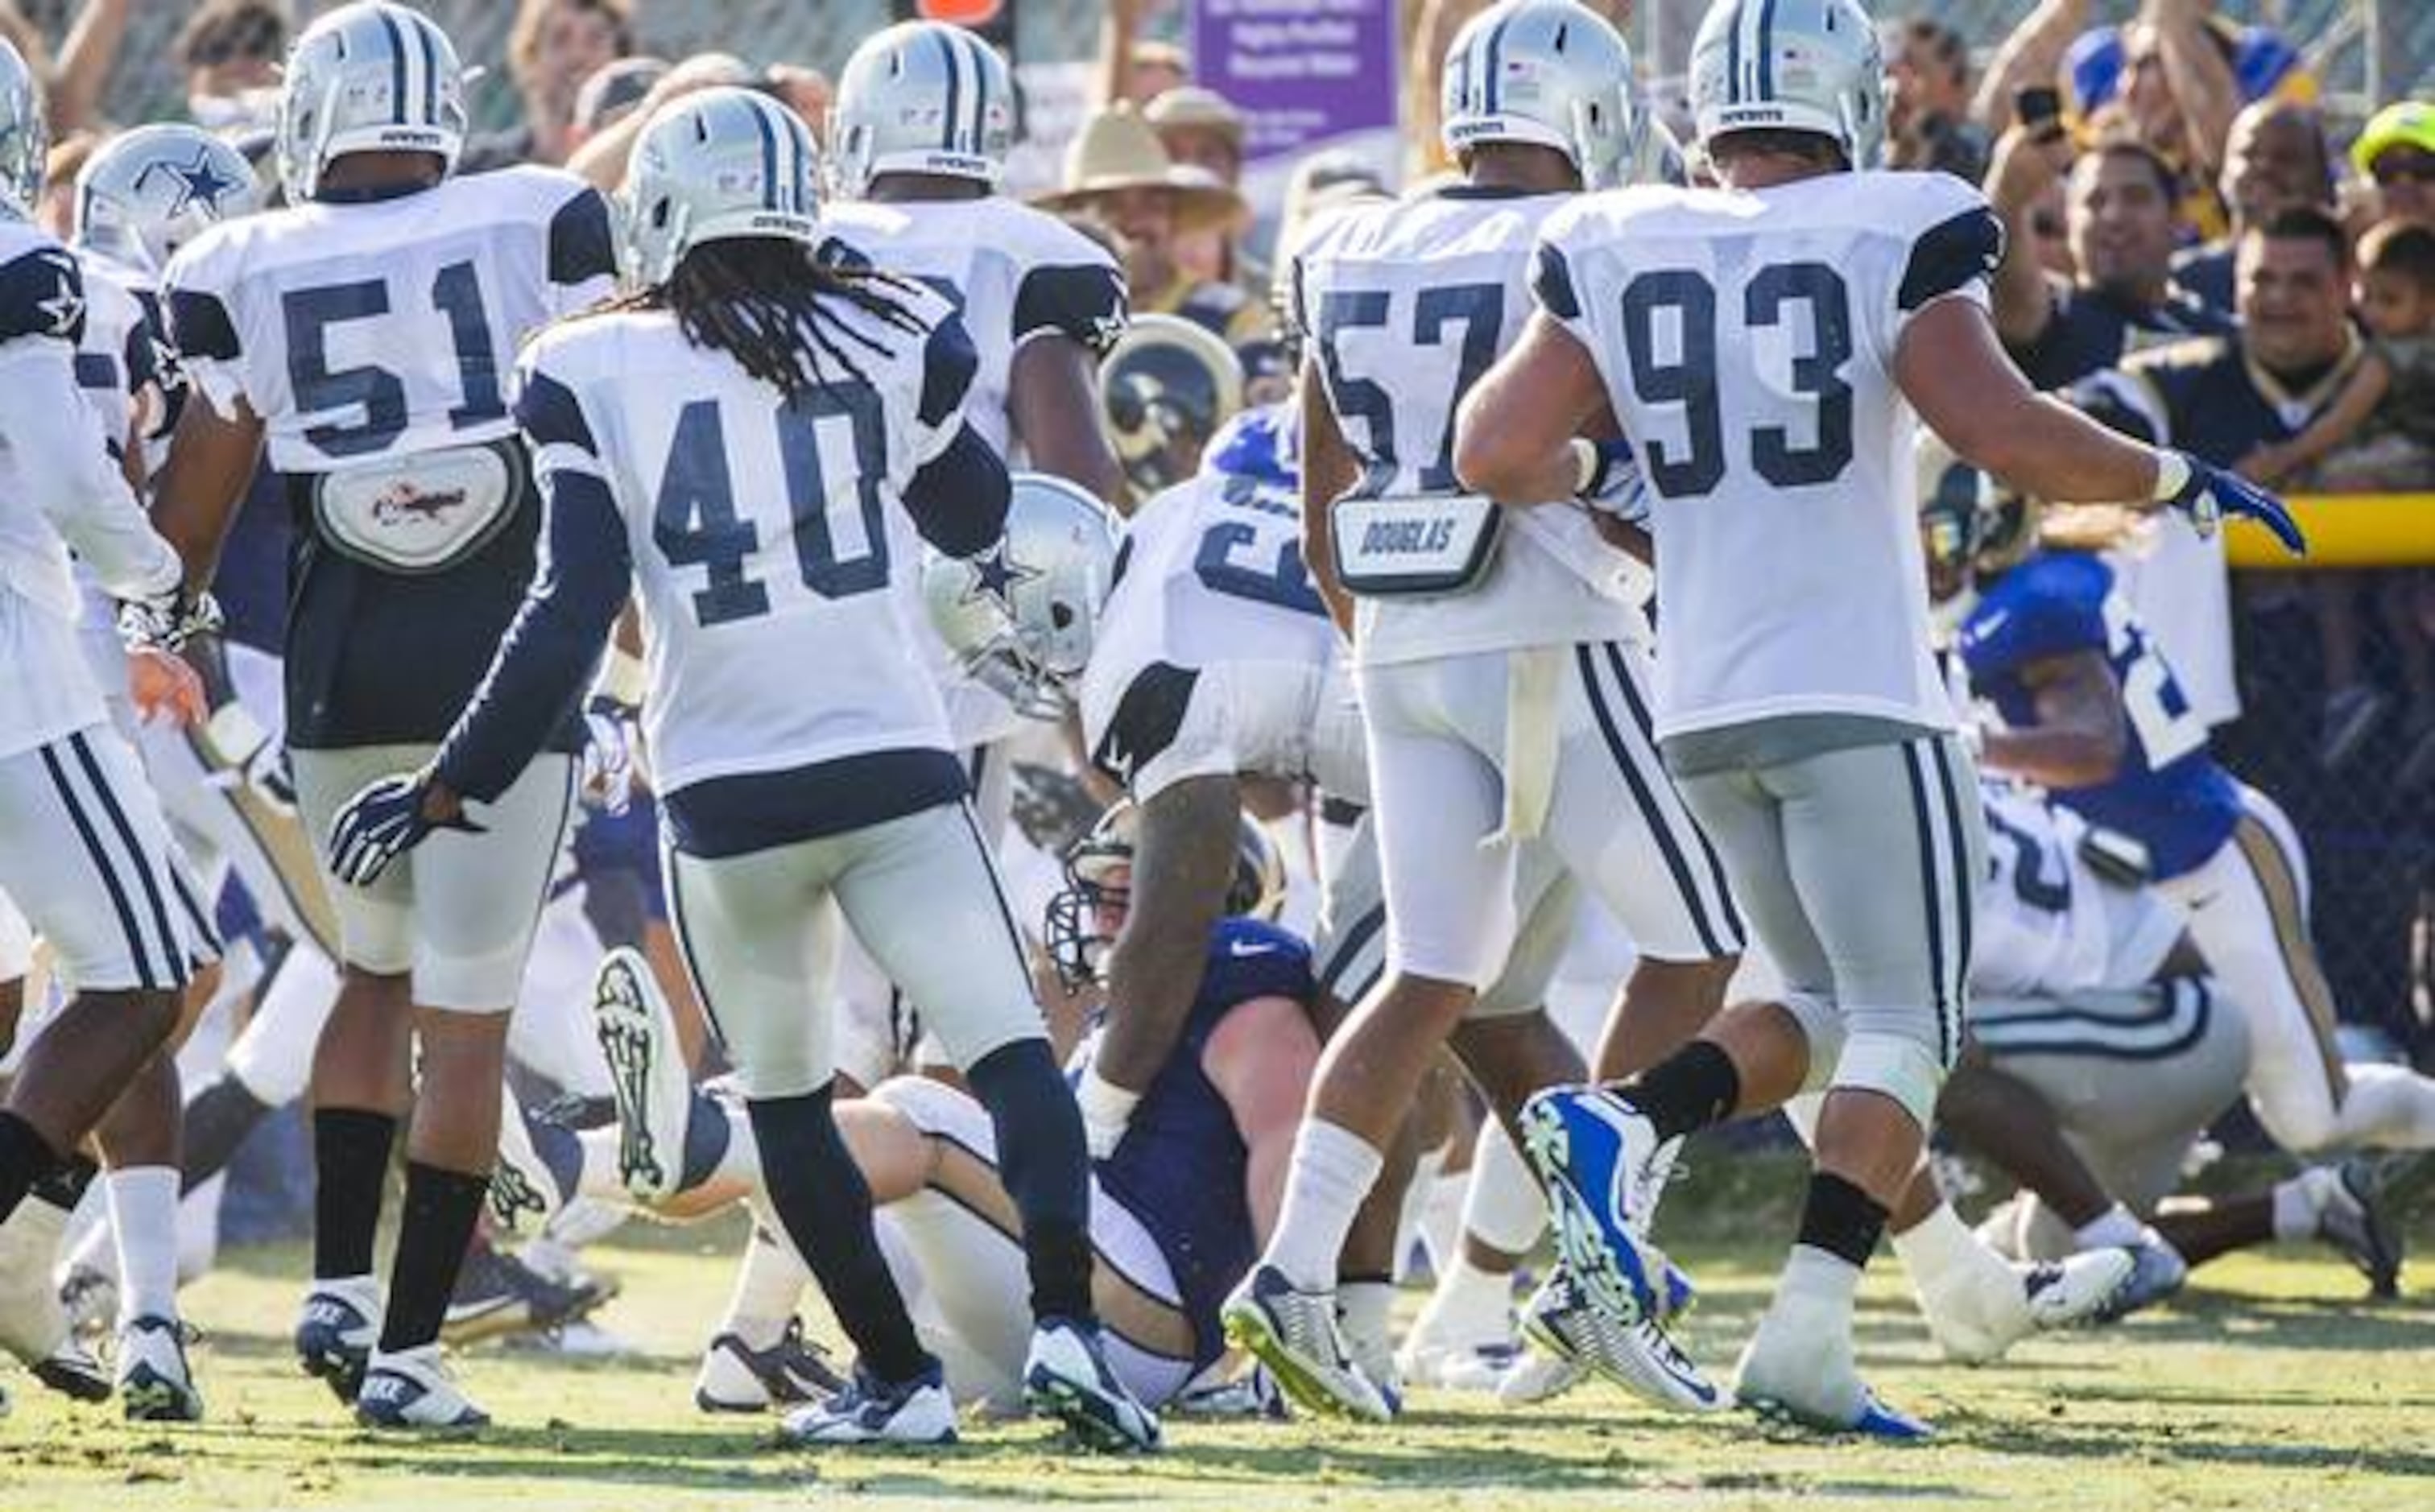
(1102, 1101)
(623, 677)
(1585, 464)
(2172, 475)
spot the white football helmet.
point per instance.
(369, 77)
(717, 166)
(1548, 71)
(922, 96)
(1791, 65)
(24, 138)
(1023, 616)
(147, 192)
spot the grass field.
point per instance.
(2271, 1384)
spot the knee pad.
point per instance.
(1894, 1066)
(1822, 1025)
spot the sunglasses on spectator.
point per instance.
(2046, 226)
(2391, 169)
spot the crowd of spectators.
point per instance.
(2181, 217)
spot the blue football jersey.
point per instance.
(1180, 1168)
(2169, 793)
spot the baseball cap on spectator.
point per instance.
(1198, 127)
(2263, 63)
(1118, 151)
(615, 89)
(2408, 124)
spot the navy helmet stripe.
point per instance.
(1489, 85)
(1766, 50)
(430, 75)
(396, 65)
(954, 89)
(1733, 60)
(980, 94)
(769, 157)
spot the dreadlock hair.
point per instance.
(766, 303)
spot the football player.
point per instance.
(1498, 659)
(2092, 711)
(1763, 345)
(362, 332)
(752, 440)
(85, 850)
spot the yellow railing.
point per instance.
(2346, 530)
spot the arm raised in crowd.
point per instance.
(2201, 76)
(85, 63)
(2031, 57)
(2024, 165)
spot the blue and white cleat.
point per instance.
(1874, 1421)
(1797, 1371)
(911, 1412)
(521, 1181)
(1066, 1377)
(736, 1377)
(2157, 1271)
(1294, 1333)
(155, 1384)
(1641, 1357)
(1599, 1158)
(334, 1337)
(410, 1391)
(646, 1073)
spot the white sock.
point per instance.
(1411, 1225)
(1332, 1173)
(596, 1178)
(2110, 1229)
(144, 1216)
(1940, 1251)
(1442, 1219)
(1503, 1208)
(1470, 1307)
(742, 1161)
(2299, 1205)
(769, 1280)
(1813, 1277)
(1362, 1309)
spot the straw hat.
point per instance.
(1195, 107)
(1115, 150)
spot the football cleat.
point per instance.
(736, 1377)
(521, 1181)
(1294, 1333)
(1066, 1377)
(1641, 1357)
(1252, 1394)
(154, 1383)
(1600, 1161)
(335, 1335)
(2357, 1220)
(647, 1072)
(1478, 1366)
(913, 1412)
(1978, 1317)
(1798, 1372)
(498, 1295)
(1537, 1376)
(411, 1390)
(2157, 1271)
(72, 1370)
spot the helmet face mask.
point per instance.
(371, 76)
(720, 164)
(1544, 72)
(1808, 67)
(25, 136)
(147, 192)
(922, 96)
(1085, 917)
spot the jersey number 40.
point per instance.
(1682, 372)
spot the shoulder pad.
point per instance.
(41, 294)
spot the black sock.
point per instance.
(434, 1226)
(1690, 1089)
(64, 1188)
(217, 1120)
(25, 1158)
(350, 1167)
(1046, 1168)
(824, 1205)
(1840, 1219)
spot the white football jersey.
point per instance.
(366, 331)
(117, 369)
(1746, 343)
(778, 572)
(2049, 925)
(1404, 305)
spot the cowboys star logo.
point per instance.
(995, 576)
(65, 307)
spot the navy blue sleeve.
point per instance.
(548, 653)
(549, 415)
(582, 246)
(1951, 255)
(948, 362)
(199, 326)
(1551, 282)
(42, 294)
(1084, 301)
(959, 501)
(142, 356)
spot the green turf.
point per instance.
(2270, 1386)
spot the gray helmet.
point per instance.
(369, 77)
(24, 140)
(1023, 617)
(1791, 65)
(150, 190)
(922, 98)
(717, 166)
(1549, 73)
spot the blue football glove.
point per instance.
(2206, 494)
(609, 751)
(383, 822)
